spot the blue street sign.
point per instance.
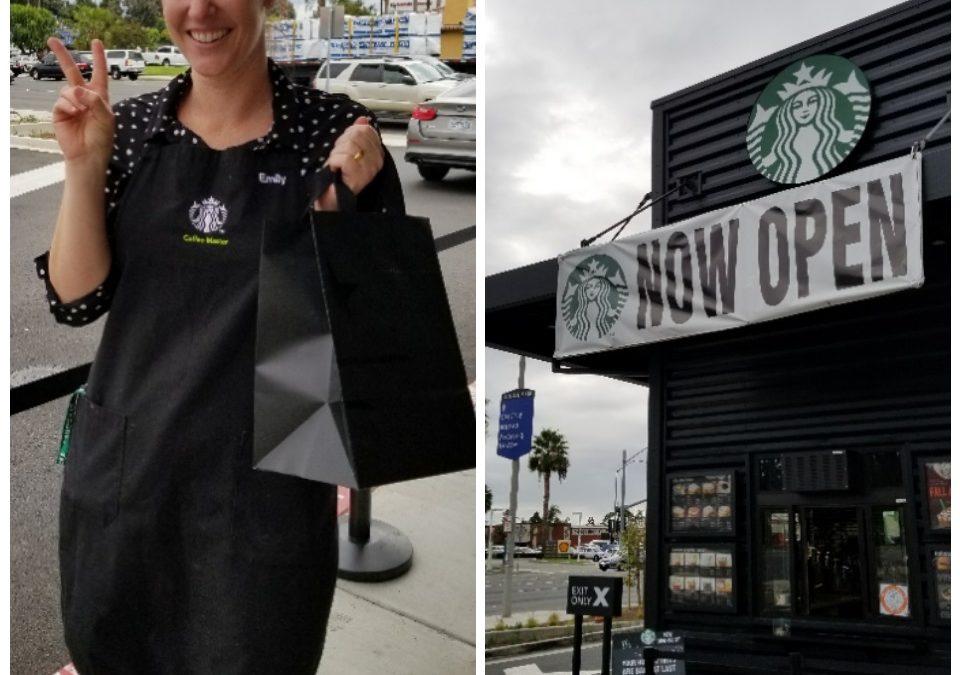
(516, 424)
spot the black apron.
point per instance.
(178, 558)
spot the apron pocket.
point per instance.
(92, 473)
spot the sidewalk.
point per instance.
(392, 137)
(423, 623)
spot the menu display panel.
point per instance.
(936, 475)
(702, 504)
(701, 578)
(941, 576)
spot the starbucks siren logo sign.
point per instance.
(593, 297)
(808, 119)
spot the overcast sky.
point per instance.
(567, 147)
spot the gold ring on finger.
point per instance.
(359, 155)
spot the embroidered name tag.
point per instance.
(275, 179)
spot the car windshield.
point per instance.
(83, 57)
(136, 56)
(424, 72)
(467, 89)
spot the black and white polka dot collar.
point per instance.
(287, 117)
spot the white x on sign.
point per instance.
(601, 599)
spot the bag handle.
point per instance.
(346, 200)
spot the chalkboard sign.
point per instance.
(628, 653)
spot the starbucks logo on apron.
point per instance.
(593, 297)
(208, 216)
(808, 119)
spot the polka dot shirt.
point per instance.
(305, 120)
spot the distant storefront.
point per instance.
(790, 315)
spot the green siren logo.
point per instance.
(593, 297)
(808, 119)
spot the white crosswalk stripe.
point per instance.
(36, 179)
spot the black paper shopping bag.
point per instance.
(359, 379)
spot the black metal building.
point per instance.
(823, 435)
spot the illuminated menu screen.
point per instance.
(701, 578)
(941, 570)
(702, 504)
(938, 494)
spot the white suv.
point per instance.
(391, 87)
(122, 62)
(166, 55)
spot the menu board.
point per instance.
(701, 578)
(941, 571)
(702, 504)
(938, 494)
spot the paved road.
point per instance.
(38, 346)
(551, 662)
(538, 586)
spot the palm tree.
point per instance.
(549, 456)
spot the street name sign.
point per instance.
(595, 596)
(516, 424)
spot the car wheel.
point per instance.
(116, 74)
(166, 62)
(133, 77)
(34, 74)
(432, 173)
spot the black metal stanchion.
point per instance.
(607, 640)
(371, 550)
(577, 642)
(649, 660)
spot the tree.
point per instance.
(58, 8)
(126, 34)
(147, 13)
(553, 516)
(113, 6)
(535, 519)
(488, 498)
(92, 22)
(633, 548)
(350, 7)
(280, 10)
(30, 27)
(549, 456)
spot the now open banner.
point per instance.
(842, 239)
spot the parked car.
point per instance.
(127, 62)
(49, 67)
(526, 552)
(15, 66)
(611, 560)
(391, 87)
(442, 133)
(443, 67)
(166, 55)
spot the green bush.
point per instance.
(553, 619)
(532, 622)
(500, 625)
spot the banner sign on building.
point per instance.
(846, 238)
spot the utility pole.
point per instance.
(511, 536)
(623, 497)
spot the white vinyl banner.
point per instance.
(842, 239)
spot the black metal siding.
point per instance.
(905, 54)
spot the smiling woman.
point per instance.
(176, 556)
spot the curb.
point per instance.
(38, 144)
(566, 641)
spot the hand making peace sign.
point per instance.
(82, 118)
